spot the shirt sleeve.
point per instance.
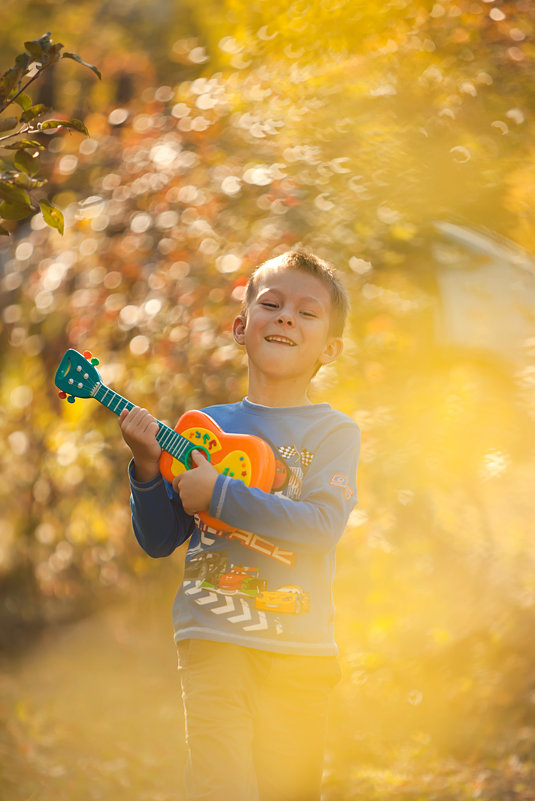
(158, 517)
(317, 520)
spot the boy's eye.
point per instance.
(269, 305)
(309, 314)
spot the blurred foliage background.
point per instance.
(395, 140)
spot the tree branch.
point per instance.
(23, 88)
(17, 133)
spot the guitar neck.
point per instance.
(168, 439)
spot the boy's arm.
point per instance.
(318, 519)
(158, 518)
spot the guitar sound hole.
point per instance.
(189, 463)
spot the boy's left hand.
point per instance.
(196, 486)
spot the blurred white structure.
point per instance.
(487, 292)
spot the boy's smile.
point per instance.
(287, 333)
(281, 340)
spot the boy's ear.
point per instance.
(332, 350)
(238, 329)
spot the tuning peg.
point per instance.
(89, 356)
(71, 399)
(62, 394)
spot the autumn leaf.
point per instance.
(52, 215)
(85, 64)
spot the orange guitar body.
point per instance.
(242, 456)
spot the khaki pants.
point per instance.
(255, 722)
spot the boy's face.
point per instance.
(286, 332)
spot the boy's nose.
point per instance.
(286, 319)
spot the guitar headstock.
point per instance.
(77, 375)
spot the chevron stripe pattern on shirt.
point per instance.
(235, 610)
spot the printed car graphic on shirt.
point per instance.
(205, 565)
(211, 570)
(238, 579)
(291, 599)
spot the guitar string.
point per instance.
(169, 439)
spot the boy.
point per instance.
(253, 618)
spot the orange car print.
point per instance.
(291, 599)
(242, 578)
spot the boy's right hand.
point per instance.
(139, 429)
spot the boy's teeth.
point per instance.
(280, 339)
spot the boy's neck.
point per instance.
(267, 392)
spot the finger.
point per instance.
(129, 420)
(146, 420)
(131, 414)
(152, 424)
(141, 419)
(198, 457)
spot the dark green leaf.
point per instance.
(14, 211)
(22, 180)
(39, 48)
(34, 49)
(9, 81)
(7, 123)
(26, 162)
(76, 125)
(55, 52)
(81, 61)
(24, 101)
(22, 61)
(45, 126)
(14, 194)
(28, 144)
(45, 40)
(26, 181)
(53, 216)
(43, 50)
(34, 111)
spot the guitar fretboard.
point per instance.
(169, 440)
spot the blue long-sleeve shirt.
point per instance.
(267, 582)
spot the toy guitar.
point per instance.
(242, 456)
